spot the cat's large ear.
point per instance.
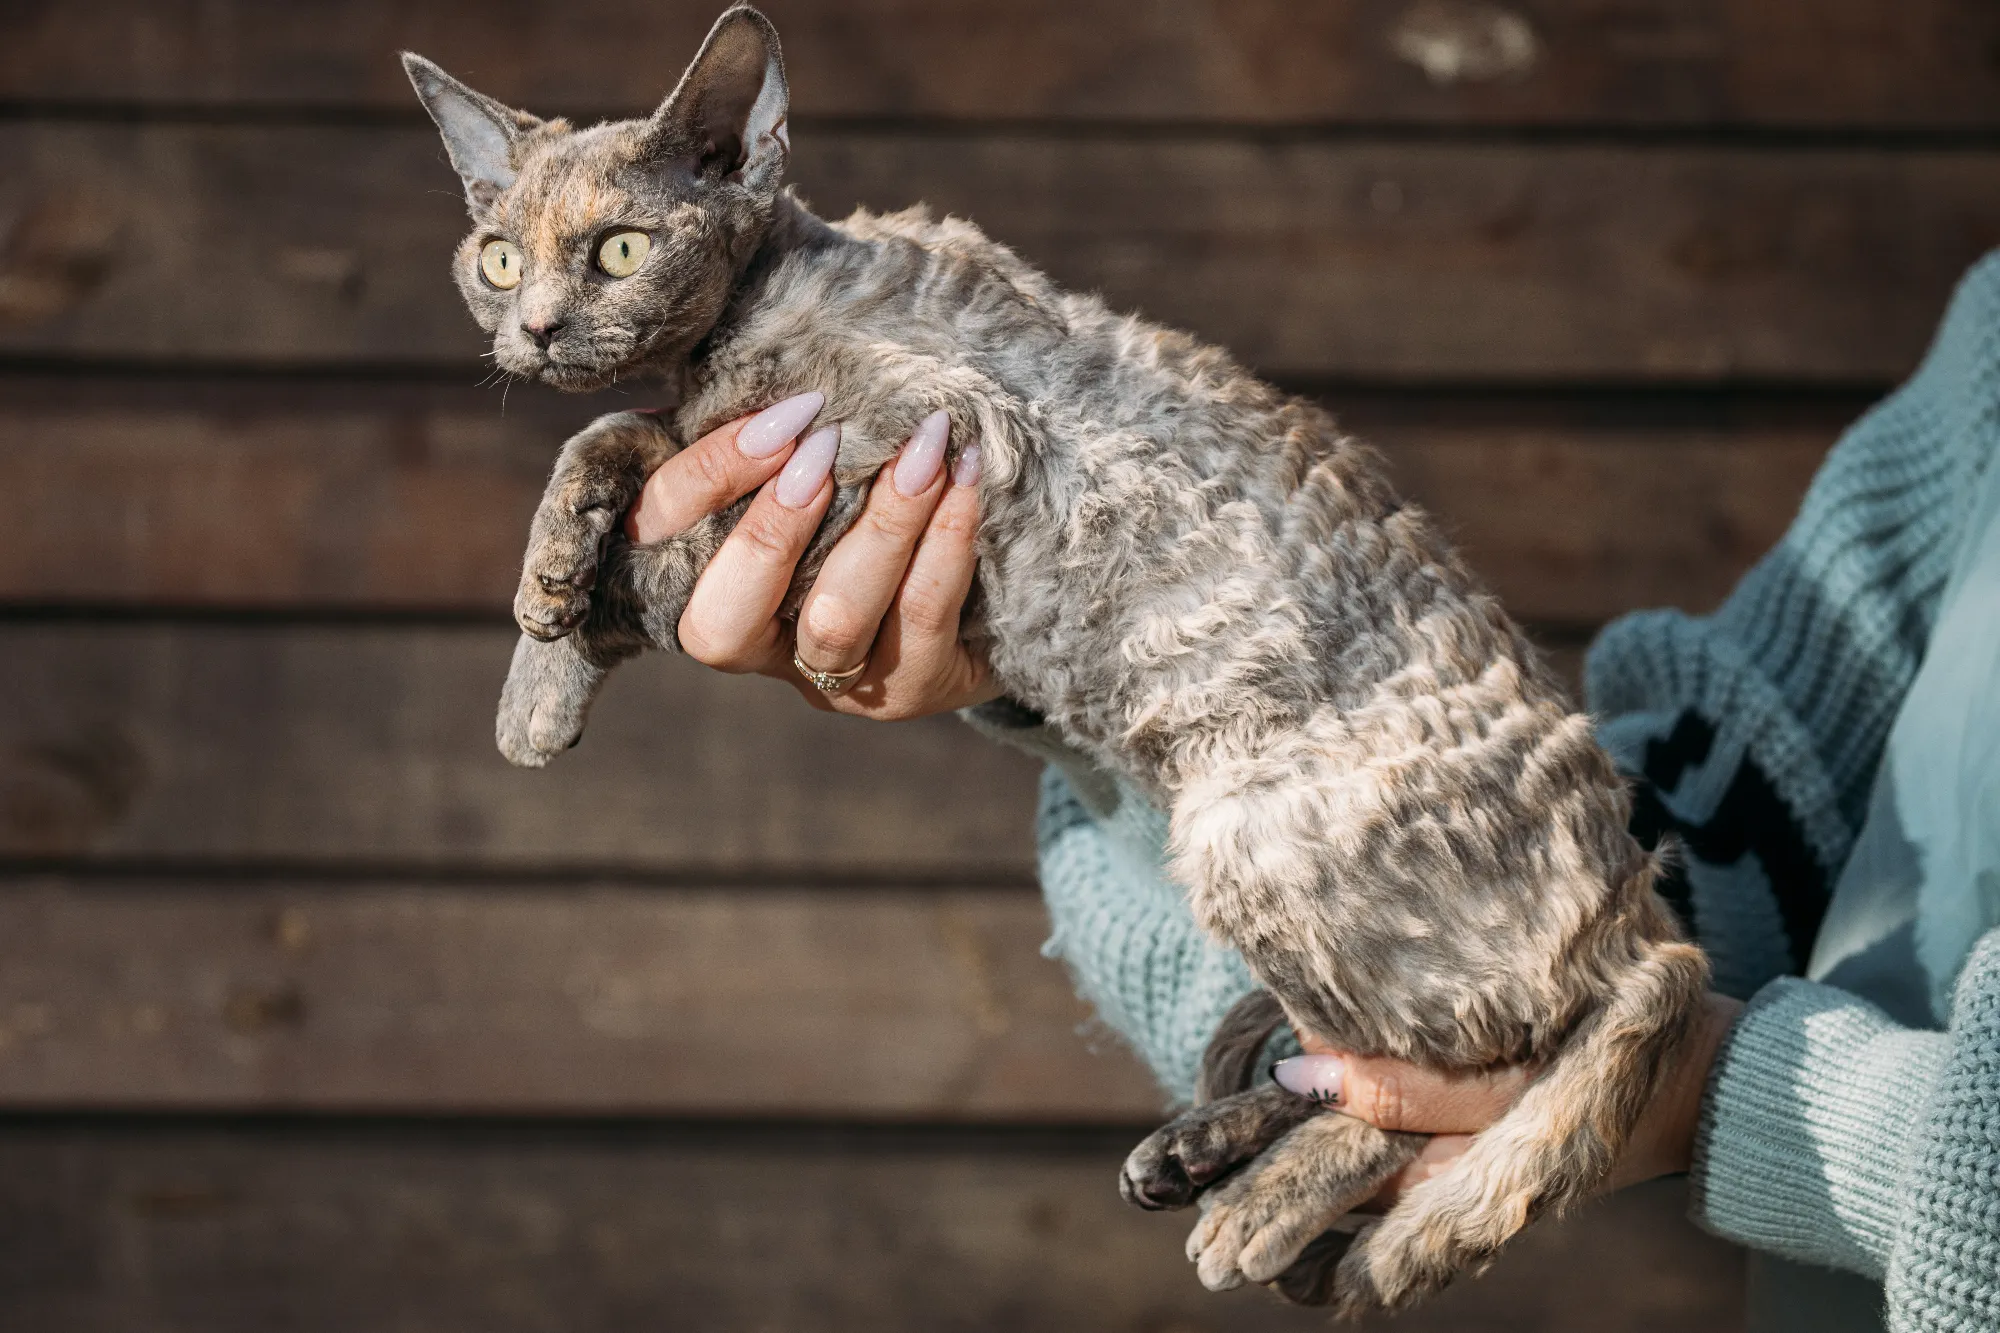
(727, 116)
(479, 133)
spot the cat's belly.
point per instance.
(1407, 887)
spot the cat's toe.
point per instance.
(1253, 1237)
(531, 740)
(1154, 1176)
(549, 609)
(1177, 1161)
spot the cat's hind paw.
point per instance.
(1177, 1160)
(1256, 1224)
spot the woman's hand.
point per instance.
(1390, 1094)
(889, 594)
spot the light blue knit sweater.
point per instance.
(1753, 735)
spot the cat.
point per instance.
(1378, 793)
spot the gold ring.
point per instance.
(829, 682)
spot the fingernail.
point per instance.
(965, 472)
(779, 424)
(1314, 1076)
(803, 475)
(918, 467)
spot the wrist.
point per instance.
(1663, 1140)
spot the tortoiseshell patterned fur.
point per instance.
(1377, 792)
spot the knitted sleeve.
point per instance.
(1804, 1144)
(1833, 1136)
(1754, 733)
(1944, 1265)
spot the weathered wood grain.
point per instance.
(358, 746)
(313, 495)
(1926, 63)
(560, 999)
(457, 1229)
(324, 246)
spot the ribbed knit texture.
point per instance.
(1944, 1272)
(1120, 925)
(1805, 1135)
(1803, 669)
(1126, 933)
(1810, 655)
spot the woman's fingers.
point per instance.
(718, 469)
(853, 590)
(928, 665)
(1394, 1095)
(731, 619)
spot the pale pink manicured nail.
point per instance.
(802, 477)
(965, 472)
(779, 424)
(1314, 1076)
(918, 467)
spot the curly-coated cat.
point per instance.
(1378, 794)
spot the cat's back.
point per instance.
(936, 284)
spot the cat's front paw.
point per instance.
(544, 702)
(554, 596)
(596, 479)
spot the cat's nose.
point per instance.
(542, 332)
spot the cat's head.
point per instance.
(598, 250)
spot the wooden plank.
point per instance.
(559, 999)
(1555, 62)
(327, 246)
(1575, 531)
(457, 1229)
(360, 746)
(417, 497)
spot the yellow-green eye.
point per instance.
(500, 261)
(621, 255)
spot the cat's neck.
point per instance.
(794, 230)
(794, 227)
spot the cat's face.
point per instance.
(595, 252)
(596, 260)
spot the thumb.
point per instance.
(1396, 1095)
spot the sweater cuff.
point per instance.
(1014, 724)
(1808, 1127)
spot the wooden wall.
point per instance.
(315, 1016)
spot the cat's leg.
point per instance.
(1228, 1124)
(587, 598)
(549, 689)
(1258, 1222)
(1197, 1147)
(1554, 1147)
(636, 603)
(597, 477)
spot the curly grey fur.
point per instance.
(1377, 792)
